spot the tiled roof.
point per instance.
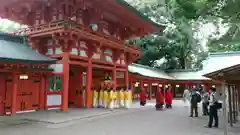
(187, 75)
(13, 49)
(148, 71)
(220, 61)
(215, 62)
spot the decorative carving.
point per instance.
(66, 39)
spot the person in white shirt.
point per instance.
(186, 97)
(205, 102)
(213, 113)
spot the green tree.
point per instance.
(222, 13)
(8, 26)
(177, 45)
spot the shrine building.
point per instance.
(76, 43)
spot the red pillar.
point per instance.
(46, 93)
(114, 77)
(128, 84)
(42, 93)
(141, 84)
(14, 93)
(89, 83)
(65, 83)
(150, 91)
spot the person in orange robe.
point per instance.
(168, 98)
(142, 97)
(159, 100)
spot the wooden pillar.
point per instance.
(234, 104)
(46, 93)
(126, 76)
(141, 84)
(238, 97)
(114, 76)
(150, 91)
(207, 88)
(230, 105)
(14, 93)
(89, 84)
(238, 89)
(65, 92)
(42, 93)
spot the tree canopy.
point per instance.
(180, 46)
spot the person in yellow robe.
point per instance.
(130, 96)
(111, 98)
(121, 97)
(127, 99)
(105, 98)
(115, 98)
(118, 97)
(100, 99)
(95, 98)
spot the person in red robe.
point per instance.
(159, 100)
(142, 97)
(168, 99)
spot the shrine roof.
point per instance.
(218, 62)
(123, 3)
(187, 75)
(139, 14)
(177, 75)
(148, 72)
(13, 49)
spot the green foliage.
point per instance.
(222, 13)
(8, 26)
(177, 44)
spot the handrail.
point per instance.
(66, 24)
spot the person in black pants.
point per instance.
(205, 103)
(213, 113)
(194, 103)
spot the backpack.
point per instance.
(199, 98)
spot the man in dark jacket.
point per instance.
(194, 102)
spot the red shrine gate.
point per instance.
(84, 36)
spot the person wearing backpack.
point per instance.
(213, 113)
(195, 99)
